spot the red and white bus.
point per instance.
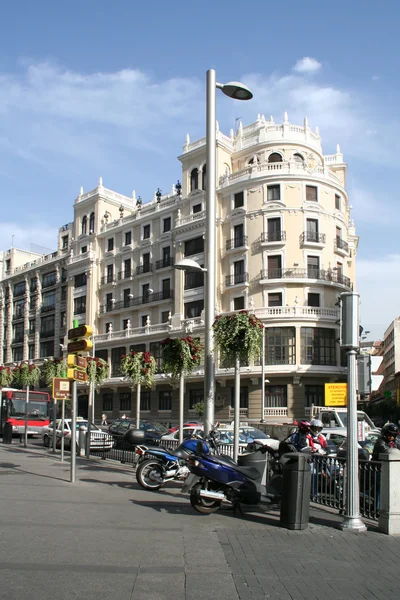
(13, 406)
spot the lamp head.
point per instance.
(236, 90)
(189, 265)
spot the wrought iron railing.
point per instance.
(296, 273)
(341, 244)
(313, 237)
(236, 279)
(165, 262)
(273, 236)
(237, 242)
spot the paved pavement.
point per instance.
(106, 538)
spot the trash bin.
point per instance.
(7, 433)
(296, 488)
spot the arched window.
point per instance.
(298, 158)
(91, 223)
(204, 177)
(84, 225)
(254, 160)
(194, 180)
(274, 157)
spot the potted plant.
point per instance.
(97, 370)
(27, 374)
(6, 376)
(139, 368)
(55, 367)
(181, 355)
(238, 335)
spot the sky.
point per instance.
(91, 88)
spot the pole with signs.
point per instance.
(62, 390)
(26, 417)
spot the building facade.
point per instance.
(286, 249)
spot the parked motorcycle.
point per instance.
(214, 479)
(156, 466)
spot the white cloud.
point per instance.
(307, 65)
(378, 283)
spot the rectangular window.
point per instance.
(102, 354)
(274, 192)
(127, 268)
(108, 401)
(193, 309)
(194, 246)
(116, 354)
(64, 293)
(80, 305)
(18, 353)
(125, 324)
(83, 249)
(146, 232)
(165, 400)
(32, 302)
(166, 254)
(145, 400)
(109, 301)
(275, 299)
(33, 285)
(274, 229)
(46, 349)
(313, 267)
(314, 394)
(338, 234)
(128, 238)
(146, 262)
(337, 202)
(239, 272)
(195, 397)
(311, 193)
(64, 240)
(127, 294)
(313, 299)
(107, 327)
(18, 333)
(49, 299)
(318, 346)
(196, 208)
(167, 224)
(49, 279)
(312, 230)
(274, 266)
(32, 326)
(31, 351)
(165, 316)
(80, 280)
(143, 320)
(110, 244)
(47, 326)
(238, 235)
(63, 318)
(276, 396)
(125, 401)
(238, 303)
(19, 289)
(193, 280)
(19, 309)
(281, 346)
(244, 397)
(156, 351)
(238, 200)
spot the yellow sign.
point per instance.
(336, 394)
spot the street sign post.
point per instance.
(62, 388)
(80, 346)
(77, 361)
(77, 375)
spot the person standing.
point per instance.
(104, 419)
(386, 441)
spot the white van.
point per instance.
(336, 418)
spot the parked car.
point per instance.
(252, 433)
(153, 431)
(188, 432)
(186, 424)
(99, 440)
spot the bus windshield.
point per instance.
(36, 410)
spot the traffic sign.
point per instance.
(77, 361)
(61, 388)
(80, 345)
(77, 375)
(81, 331)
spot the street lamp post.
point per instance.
(238, 91)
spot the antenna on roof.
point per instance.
(236, 124)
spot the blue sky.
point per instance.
(94, 88)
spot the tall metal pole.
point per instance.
(62, 430)
(209, 365)
(263, 376)
(181, 405)
(237, 409)
(73, 431)
(26, 417)
(138, 391)
(90, 405)
(54, 443)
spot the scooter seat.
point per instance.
(179, 453)
(250, 472)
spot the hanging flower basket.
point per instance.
(97, 370)
(6, 376)
(181, 355)
(56, 367)
(27, 374)
(238, 334)
(139, 367)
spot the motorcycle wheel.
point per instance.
(144, 473)
(205, 506)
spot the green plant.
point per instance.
(198, 408)
(6, 376)
(56, 367)
(181, 355)
(27, 374)
(139, 367)
(97, 370)
(238, 334)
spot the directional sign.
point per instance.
(77, 361)
(80, 345)
(61, 389)
(81, 331)
(77, 375)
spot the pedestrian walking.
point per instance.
(104, 419)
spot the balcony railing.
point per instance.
(236, 242)
(320, 274)
(144, 299)
(125, 274)
(165, 262)
(273, 236)
(313, 237)
(49, 282)
(146, 268)
(341, 244)
(236, 279)
(48, 308)
(108, 279)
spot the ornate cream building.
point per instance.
(286, 250)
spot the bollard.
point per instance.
(388, 501)
(296, 486)
(7, 433)
(82, 441)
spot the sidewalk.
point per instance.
(106, 538)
